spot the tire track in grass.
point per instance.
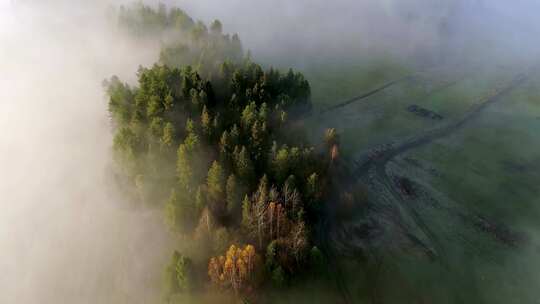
(365, 95)
(379, 162)
(333, 269)
(380, 89)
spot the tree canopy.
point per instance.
(214, 142)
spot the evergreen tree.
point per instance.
(234, 195)
(244, 165)
(224, 143)
(184, 269)
(167, 140)
(200, 199)
(178, 275)
(247, 218)
(313, 190)
(215, 183)
(183, 169)
(249, 115)
(235, 135)
(179, 213)
(281, 164)
(206, 123)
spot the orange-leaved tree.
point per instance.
(236, 270)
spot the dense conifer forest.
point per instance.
(213, 139)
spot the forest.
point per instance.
(261, 152)
(216, 141)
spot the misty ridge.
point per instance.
(109, 135)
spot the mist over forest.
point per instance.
(269, 151)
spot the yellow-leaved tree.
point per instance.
(237, 270)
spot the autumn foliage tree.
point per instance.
(236, 270)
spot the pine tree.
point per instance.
(179, 212)
(167, 140)
(281, 164)
(249, 115)
(256, 139)
(203, 97)
(184, 272)
(313, 187)
(171, 211)
(216, 124)
(169, 102)
(224, 143)
(183, 169)
(215, 182)
(206, 123)
(189, 164)
(190, 126)
(247, 217)
(244, 165)
(171, 285)
(200, 199)
(156, 127)
(235, 135)
(263, 112)
(234, 195)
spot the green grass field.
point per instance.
(489, 169)
(383, 117)
(332, 83)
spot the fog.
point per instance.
(303, 32)
(66, 236)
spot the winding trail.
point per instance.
(376, 165)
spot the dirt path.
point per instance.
(374, 167)
(377, 163)
(394, 150)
